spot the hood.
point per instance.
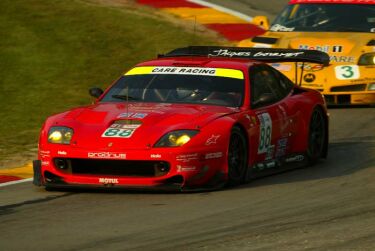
(151, 121)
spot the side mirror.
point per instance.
(95, 92)
(261, 21)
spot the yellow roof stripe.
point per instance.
(140, 70)
(229, 73)
(219, 72)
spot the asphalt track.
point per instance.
(329, 206)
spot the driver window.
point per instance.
(264, 86)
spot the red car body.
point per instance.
(226, 137)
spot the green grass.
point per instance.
(52, 51)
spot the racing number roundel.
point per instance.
(265, 132)
(344, 72)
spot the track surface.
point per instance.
(330, 206)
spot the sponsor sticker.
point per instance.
(213, 155)
(296, 158)
(323, 48)
(106, 155)
(133, 115)
(108, 180)
(185, 168)
(212, 140)
(200, 71)
(61, 152)
(309, 77)
(155, 156)
(187, 157)
(281, 147)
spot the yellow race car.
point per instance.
(345, 29)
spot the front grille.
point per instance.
(349, 88)
(125, 168)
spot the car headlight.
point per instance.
(176, 138)
(371, 87)
(60, 135)
(367, 59)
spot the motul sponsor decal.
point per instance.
(106, 155)
(108, 180)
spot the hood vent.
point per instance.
(264, 40)
(371, 43)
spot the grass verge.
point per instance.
(52, 51)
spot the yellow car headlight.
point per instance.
(367, 59)
(176, 138)
(60, 135)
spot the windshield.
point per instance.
(174, 87)
(326, 17)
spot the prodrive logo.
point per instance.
(106, 155)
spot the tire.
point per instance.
(237, 157)
(317, 136)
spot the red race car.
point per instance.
(195, 118)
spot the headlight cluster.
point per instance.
(176, 138)
(60, 135)
(367, 59)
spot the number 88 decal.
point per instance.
(265, 133)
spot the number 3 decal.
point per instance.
(344, 72)
(265, 132)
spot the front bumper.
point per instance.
(187, 170)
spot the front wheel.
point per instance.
(237, 157)
(317, 135)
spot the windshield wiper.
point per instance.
(124, 97)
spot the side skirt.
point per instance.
(275, 166)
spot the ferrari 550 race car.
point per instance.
(342, 28)
(194, 118)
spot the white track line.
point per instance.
(223, 9)
(15, 182)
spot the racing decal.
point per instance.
(279, 27)
(186, 168)
(342, 59)
(296, 158)
(121, 130)
(323, 48)
(108, 180)
(337, 48)
(265, 132)
(133, 115)
(44, 154)
(106, 155)
(281, 147)
(258, 54)
(309, 78)
(62, 153)
(310, 67)
(187, 157)
(344, 72)
(270, 152)
(45, 163)
(202, 71)
(212, 140)
(155, 156)
(213, 155)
